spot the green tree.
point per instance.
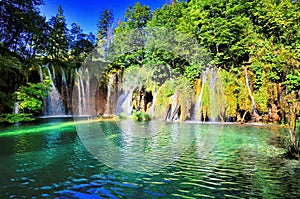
(80, 44)
(57, 46)
(168, 15)
(135, 17)
(105, 23)
(30, 96)
(20, 24)
(29, 100)
(21, 29)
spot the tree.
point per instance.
(30, 96)
(29, 100)
(105, 24)
(135, 17)
(21, 29)
(168, 15)
(20, 24)
(80, 43)
(58, 41)
(222, 27)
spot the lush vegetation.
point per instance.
(254, 44)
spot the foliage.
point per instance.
(168, 15)
(231, 89)
(135, 17)
(20, 25)
(192, 73)
(57, 45)
(140, 116)
(15, 118)
(105, 24)
(27, 40)
(30, 96)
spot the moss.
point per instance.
(140, 116)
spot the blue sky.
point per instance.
(86, 12)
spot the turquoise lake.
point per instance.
(50, 159)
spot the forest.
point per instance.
(253, 45)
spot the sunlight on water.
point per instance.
(48, 160)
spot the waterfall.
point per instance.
(16, 108)
(198, 107)
(41, 73)
(83, 88)
(65, 86)
(249, 90)
(128, 103)
(212, 94)
(209, 77)
(124, 103)
(79, 95)
(53, 72)
(152, 108)
(110, 84)
(54, 102)
(174, 113)
(88, 108)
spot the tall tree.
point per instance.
(80, 43)
(19, 24)
(135, 17)
(20, 30)
(58, 37)
(105, 24)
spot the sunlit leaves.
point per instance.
(30, 96)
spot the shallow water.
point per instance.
(47, 159)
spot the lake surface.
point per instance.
(48, 159)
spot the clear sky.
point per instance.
(86, 12)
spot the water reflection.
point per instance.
(219, 162)
(135, 146)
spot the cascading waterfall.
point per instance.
(79, 94)
(124, 103)
(153, 102)
(83, 88)
(110, 84)
(65, 86)
(16, 108)
(198, 105)
(41, 73)
(54, 102)
(53, 71)
(174, 115)
(212, 84)
(249, 90)
(209, 77)
(152, 108)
